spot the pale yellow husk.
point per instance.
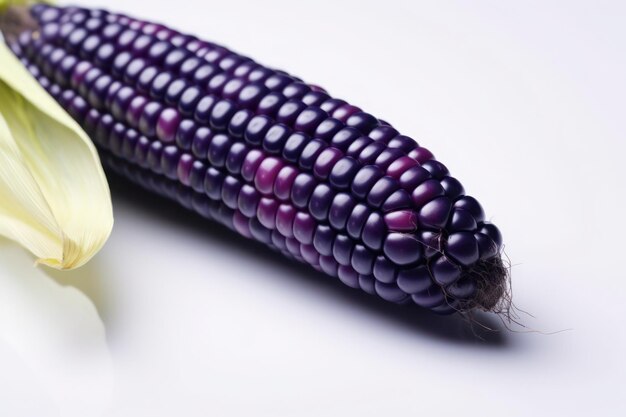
(54, 197)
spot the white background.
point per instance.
(524, 101)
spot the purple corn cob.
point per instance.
(267, 155)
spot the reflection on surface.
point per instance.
(57, 333)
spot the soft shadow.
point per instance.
(483, 329)
(89, 280)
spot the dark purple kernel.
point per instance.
(357, 146)
(486, 246)
(133, 69)
(201, 141)
(221, 113)
(244, 68)
(102, 130)
(381, 190)
(235, 157)
(248, 200)
(343, 172)
(278, 81)
(189, 66)
(309, 119)
(323, 240)
(315, 98)
(183, 170)
(119, 64)
(77, 36)
(400, 199)
(403, 143)
(357, 220)
(343, 138)
(492, 232)
(304, 228)
(93, 24)
(169, 161)
(325, 162)
(365, 179)
(63, 73)
(232, 89)
(383, 134)
(196, 176)
(175, 91)
(463, 289)
(348, 276)
(284, 182)
(251, 163)
(284, 220)
(421, 155)
(90, 78)
(310, 153)
(275, 138)
(429, 298)
(218, 150)
(344, 112)
(431, 241)
(342, 249)
(231, 62)
(332, 104)
(384, 270)
(129, 144)
(426, 192)
(230, 191)
(91, 121)
(328, 265)
(113, 87)
(328, 129)
(296, 90)
(463, 248)
(98, 92)
(145, 79)
(154, 156)
(374, 231)
(126, 38)
(158, 51)
(174, 58)
(362, 260)
(167, 125)
(256, 129)
(216, 84)
(239, 122)
(436, 169)
(250, 95)
(369, 154)
(362, 121)
(387, 157)
(142, 44)
(462, 220)
(213, 180)
(435, 213)
(260, 232)
(303, 190)
(403, 249)
(321, 199)
(444, 271)
(400, 166)
(141, 151)
(160, 84)
(472, 206)
(111, 31)
(260, 74)
(289, 112)
(452, 187)
(414, 280)
(278, 240)
(389, 292)
(189, 99)
(134, 110)
(340, 210)
(185, 133)
(122, 99)
(368, 284)
(294, 146)
(413, 177)
(203, 109)
(78, 109)
(270, 104)
(204, 73)
(89, 46)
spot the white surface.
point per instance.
(523, 100)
